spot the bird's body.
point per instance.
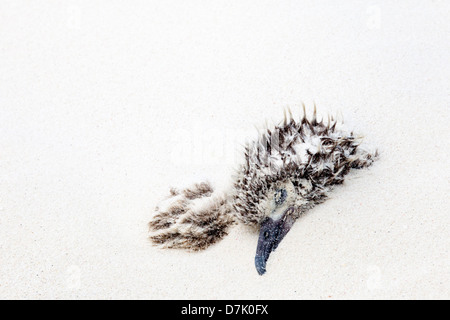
(286, 171)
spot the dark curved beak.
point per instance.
(270, 235)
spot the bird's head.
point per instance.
(288, 170)
(271, 203)
(279, 214)
(271, 189)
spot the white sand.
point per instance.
(104, 106)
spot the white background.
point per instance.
(104, 105)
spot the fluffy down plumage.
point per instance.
(312, 156)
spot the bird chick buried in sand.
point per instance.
(286, 171)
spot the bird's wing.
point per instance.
(193, 218)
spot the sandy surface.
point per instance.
(105, 105)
